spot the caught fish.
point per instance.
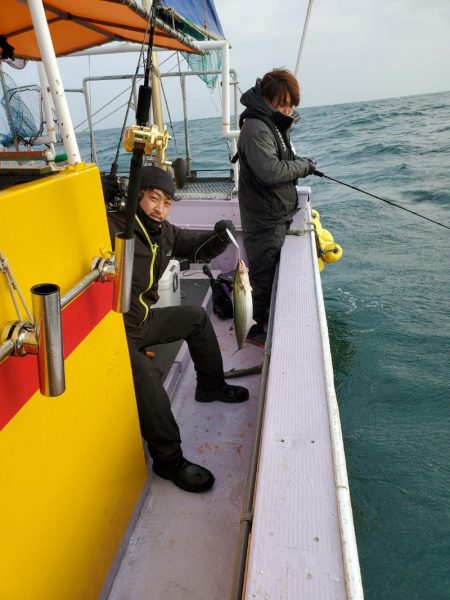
(242, 303)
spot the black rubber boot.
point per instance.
(185, 475)
(228, 393)
(256, 336)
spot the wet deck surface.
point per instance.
(184, 545)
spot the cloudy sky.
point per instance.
(354, 50)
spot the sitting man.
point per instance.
(156, 242)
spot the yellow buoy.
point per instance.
(326, 235)
(332, 252)
(316, 220)
(321, 264)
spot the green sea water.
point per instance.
(387, 305)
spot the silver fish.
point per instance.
(242, 303)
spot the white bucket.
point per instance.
(169, 286)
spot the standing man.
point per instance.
(269, 170)
(156, 242)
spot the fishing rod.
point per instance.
(114, 166)
(320, 174)
(142, 115)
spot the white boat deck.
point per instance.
(184, 545)
(295, 551)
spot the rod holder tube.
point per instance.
(47, 316)
(6, 349)
(124, 253)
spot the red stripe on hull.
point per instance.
(19, 376)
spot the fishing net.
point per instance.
(20, 112)
(211, 61)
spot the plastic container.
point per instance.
(169, 286)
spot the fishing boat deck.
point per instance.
(184, 545)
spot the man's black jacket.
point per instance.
(154, 247)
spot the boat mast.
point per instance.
(54, 79)
(46, 102)
(157, 104)
(302, 42)
(156, 91)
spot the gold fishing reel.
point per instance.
(151, 138)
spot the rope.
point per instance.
(133, 83)
(320, 174)
(12, 285)
(112, 100)
(108, 103)
(170, 119)
(106, 116)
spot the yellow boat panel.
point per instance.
(71, 467)
(51, 229)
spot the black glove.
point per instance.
(220, 230)
(312, 166)
(110, 187)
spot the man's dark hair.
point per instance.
(278, 85)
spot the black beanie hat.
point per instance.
(154, 177)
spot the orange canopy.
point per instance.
(76, 25)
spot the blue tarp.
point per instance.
(200, 12)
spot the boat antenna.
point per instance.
(142, 116)
(320, 174)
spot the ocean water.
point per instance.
(388, 317)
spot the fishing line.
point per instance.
(113, 170)
(170, 119)
(211, 238)
(168, 58)
(320, 174)
(108, 103)
(105, 117)
(142, 118)
(201, 246)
